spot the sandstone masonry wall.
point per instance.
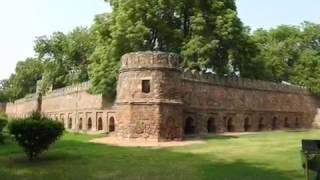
(73, 106)
(158, 101)
(236, 104)
(71, 98)
(140, 114)
(182, 103)
(79, 110)
(2, 107)
(23, 107)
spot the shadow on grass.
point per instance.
(81, 160)
(210, 137)
(45, 158)
(298, 130)
(219, 137)
(245, 171)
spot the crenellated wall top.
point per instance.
(149, 59)
(237, 82)
(69, 89)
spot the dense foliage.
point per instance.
(24, 80)
(3, 123)
(291, 54)
(35, 134)
(65, 57)
(206, 34)
(61, 60)
(3, 91)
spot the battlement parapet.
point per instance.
(244, 83)
(27, 98)
(149, 59)
(69, 89)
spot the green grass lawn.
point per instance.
(269, 156)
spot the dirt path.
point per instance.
(110, 140)
(140, 143)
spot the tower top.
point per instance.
(149, 60)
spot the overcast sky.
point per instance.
(22, 20)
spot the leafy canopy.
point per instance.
(291, 54)
(207, 34)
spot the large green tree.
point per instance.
(207, 34)
(214, 37)
(65, 56)
(3, 93)
(132, 26)
(24, 80)
(61, 60)
(291, 54)
(51, 52)
(279, 50)
(306, 70)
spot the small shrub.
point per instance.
(3, 123)
(35, 134)
(3, 115)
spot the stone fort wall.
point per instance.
(2, 107)
(23, 107)
(77, 109)
(181, 103)
(158, 101)
(216, 104)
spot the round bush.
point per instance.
(35, 134)
(3, 123)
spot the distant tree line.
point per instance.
(206, 34)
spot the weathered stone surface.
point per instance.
(2, 107)
(155, 115)
(190, 102)
(73, 105)
(23, 107)
(157, 101)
